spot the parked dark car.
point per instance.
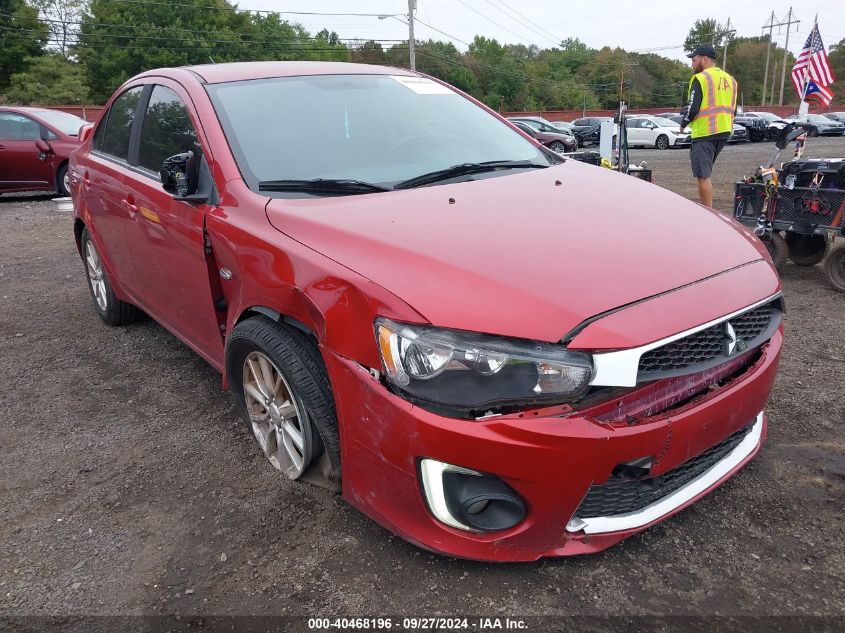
(739, 134)
(35, 144)
(836, 116)
(554, 138)
(820, 125)
(590, 128)
(758, 129)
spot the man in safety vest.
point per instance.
(710, 115)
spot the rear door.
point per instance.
(110, 206)
(167, 235)
(22, 166)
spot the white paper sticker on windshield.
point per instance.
(422, 85)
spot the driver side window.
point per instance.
(167, 130)
(17, 127)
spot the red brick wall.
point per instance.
(89, 113)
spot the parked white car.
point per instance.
(653, 131)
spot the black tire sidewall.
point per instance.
(800, 259)
(834, 268)
(778, 250)
(60, 181)
(297, 357)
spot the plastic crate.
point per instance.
(801, 209)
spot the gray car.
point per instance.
(820, 125)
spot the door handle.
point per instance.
(133, 209)
(2, 147)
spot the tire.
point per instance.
(557, 146)
(806, 250)
(301, 402)
(662, 142)
(111, 309)
(813, 131)
(834, 268)
(778, 250)
(62, 183)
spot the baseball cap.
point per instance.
(705, 50)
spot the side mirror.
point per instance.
(85, 132)
(179, 174)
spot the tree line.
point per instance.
(78, 51)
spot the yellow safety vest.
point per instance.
(718, 103)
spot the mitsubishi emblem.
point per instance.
(733, 344)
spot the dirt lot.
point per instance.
(129, 486)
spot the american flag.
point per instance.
(812, 63)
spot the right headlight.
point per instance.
(472, 373)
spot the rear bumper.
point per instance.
(550, 461)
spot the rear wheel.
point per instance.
(834, 268)
(557, 146)
(662, 142)
(778, 250)
(111, 309)
(806, 250)
(283, 392)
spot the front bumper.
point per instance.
(683, 141)
(550, 460)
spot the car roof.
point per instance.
(30, 109)
(242, 71)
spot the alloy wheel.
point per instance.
(278, 418)
(96, 277)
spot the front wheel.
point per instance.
(806, 250)
(834, 268)
(557, 146)
(662, 142)
(283, 392)
(63, 181)
(814, 131)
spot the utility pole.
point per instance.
(728, 33)
(622, 78)
(774, 74)
(788, 22)
(769, 25)
(412, 5)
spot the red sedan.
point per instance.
(35, 144)
(419, 306)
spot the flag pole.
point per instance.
(807, 69)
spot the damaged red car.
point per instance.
(493, 351)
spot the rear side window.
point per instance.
(16, 127)
(113, 137)
(167, 130)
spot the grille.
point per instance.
(619, 497)
(707, 348)
(801, 205)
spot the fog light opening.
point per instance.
(469, 500)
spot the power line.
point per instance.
(471, 8)
(521, 23)
(451, 37)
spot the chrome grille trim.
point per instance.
(621, 368)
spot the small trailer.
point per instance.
(798, 211)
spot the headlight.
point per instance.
(472, 372)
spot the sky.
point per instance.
(644, 26)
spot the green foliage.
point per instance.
(49, 80)
(703, 32)
(62, 18)
(836, 54)
(22, 37)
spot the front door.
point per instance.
(166, 236)
(22, 166)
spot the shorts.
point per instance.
(702, 155)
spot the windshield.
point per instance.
(66, 123)
(379, 129)
(768, 116)
(819, 118)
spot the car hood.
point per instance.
(531, 254)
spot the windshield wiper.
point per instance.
(322, 185)
(464, 169)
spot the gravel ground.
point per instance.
(128, 485)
